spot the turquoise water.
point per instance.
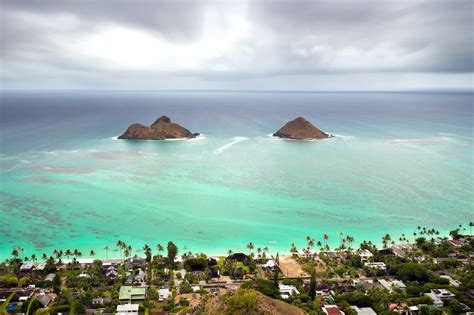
(399, 160)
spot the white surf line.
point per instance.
(235, 140)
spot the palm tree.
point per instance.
(33, 257)
(120, 246)
(160, 248)
(106, 248)
(293, 249)
(68, 253)
(229, 252)
(15, 253)
(147, 251)
(326, 238)
(92, 253)
(250, 246)
(20, 249)
(310, 242)
(44, 257)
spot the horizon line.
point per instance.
(434, 90)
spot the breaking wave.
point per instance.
(233, 141)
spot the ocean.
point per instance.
(399, 160)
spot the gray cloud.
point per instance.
(90, 43)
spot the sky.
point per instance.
(333, 45)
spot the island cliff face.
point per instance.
(161, 129)
(300, 129)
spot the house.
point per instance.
(401, 250)
(98, 301)
(111, 272)
(49, 277)
(140, 277)
(452, 282)
(457, 243)
(84, 275)
(439, 296)
(128, 293)
(26, 268)
(389, 285)
(44, 299)
(135, 262)
(363, 310)
(163, 294)
(270, 265)
(39, 266)
(337, 256)
(287, 290)
(376, 265)
(332, 310)
(19, 296)
(307, 253)
(366, 284)
(81, 261)
(365, 255)
(127, 309)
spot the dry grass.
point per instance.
(291, 268)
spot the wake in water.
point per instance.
(427, 140)
(233, 141)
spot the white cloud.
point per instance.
(236, 45)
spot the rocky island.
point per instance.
(300, 129)
(161, 129)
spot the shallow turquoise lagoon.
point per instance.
(398, 160)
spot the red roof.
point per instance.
(332, 310)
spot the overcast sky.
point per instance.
(250, 45)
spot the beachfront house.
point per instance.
(307, 253)
(135, 262)
(131, 294)
(127, 309)
(287, 290)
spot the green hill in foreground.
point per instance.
(248, 302)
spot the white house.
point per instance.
(389, 285)
(127, 309)
(365, 255)
(163, 294)
(376, 265)
(363, 310)
(287, 290)
(452, 282)
(270, 264)
(439, 296)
